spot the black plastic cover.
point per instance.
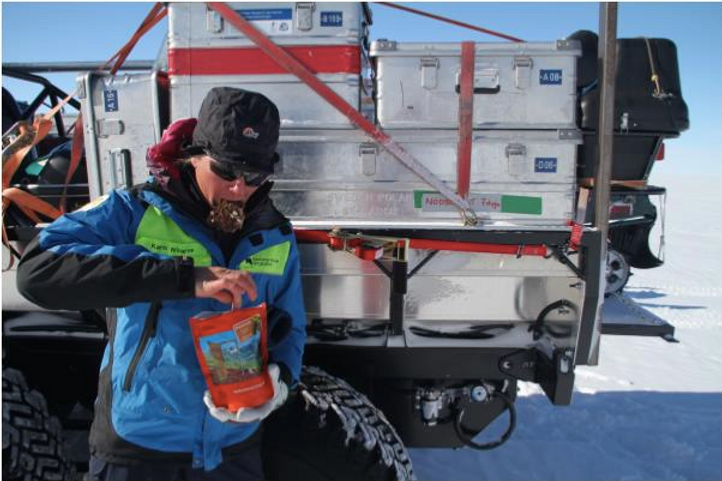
(587, 63)
(635, 91)
(634, 155)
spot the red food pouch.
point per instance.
(233, 353)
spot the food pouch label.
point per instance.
(233, 354)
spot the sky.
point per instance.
(696, 28)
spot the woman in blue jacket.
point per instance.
(200, 235)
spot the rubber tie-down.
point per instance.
(466, 436)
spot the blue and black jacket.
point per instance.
(135, 250)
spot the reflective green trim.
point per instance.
(159, 234)
(268, 261)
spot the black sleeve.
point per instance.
(87, 260)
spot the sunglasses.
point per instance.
(231, 173)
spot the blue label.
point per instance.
(266, 14)
(331, 19)
(550, 77)
(110, 98)
(545, 165)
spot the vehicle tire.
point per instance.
(330, 431)
(617, 272)
(32, 439)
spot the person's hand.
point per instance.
(225, 285)
(252, 415)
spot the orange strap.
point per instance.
(28, 203)
(30, 136)
(156, 14)
(31, 206)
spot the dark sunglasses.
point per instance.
(231, 173)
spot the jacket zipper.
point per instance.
(149, 329)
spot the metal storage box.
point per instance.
(451, 292)
(331, 39)
(517, 86)
(339, 177)
(122, 117)
(195, 25)
(298, 105)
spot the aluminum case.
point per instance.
(517, 85)
(123, 115)
(193, 25)
(340, 177)
(331, 38)
(298, 105)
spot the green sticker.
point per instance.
(430, 201)
(518, 204)
(268, 261)
(159, 234)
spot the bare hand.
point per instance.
(225, 285)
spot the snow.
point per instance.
(651, 409)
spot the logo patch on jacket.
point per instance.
(268, 261)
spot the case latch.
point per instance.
(522, 68)
(429, 72)
(109, 127)
(516, 154)
(121, 173)
(304, 16)
(214, 21)
(368, 154)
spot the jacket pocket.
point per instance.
(149, 330)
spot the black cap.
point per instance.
(239, 127)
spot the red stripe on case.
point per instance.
(252, 61)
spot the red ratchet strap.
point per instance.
(359, 245)
(449, 20)
(517, 250)
(577, 224)
(292, 65)
(466, 115)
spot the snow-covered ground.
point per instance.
(651, 409)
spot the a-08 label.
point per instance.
(273, 21)
(545, 165)
(550, 77)
(331, 19)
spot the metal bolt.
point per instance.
(478, 394)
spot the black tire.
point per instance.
(32, 439)
(330, 431)
(617, 272)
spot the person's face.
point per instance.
(215, 188)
